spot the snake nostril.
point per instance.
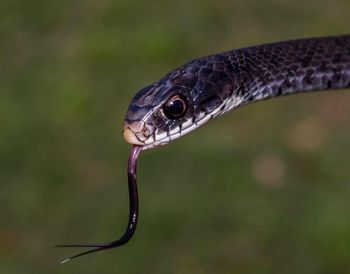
(146, 132)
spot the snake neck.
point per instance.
(239, 77)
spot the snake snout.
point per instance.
(136, 134)
(130, 137)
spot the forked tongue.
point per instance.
(133, 212)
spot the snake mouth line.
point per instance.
(190, 125)
(194, 123)
(176, 133)
(130, 136)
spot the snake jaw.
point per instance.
(130, 137)
(138, 133)
(135, 133)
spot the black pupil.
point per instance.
(175, 108)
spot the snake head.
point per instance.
(177, 104)
(160, 112)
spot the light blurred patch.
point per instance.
(269, 170)
(335, 108)
(309, 134)
(10, 242)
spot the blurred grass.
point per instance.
(261, 190)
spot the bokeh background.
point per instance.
(262, 190)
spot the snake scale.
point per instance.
(208, 87)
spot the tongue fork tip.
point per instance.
(133, 212)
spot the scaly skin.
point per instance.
(218, 83)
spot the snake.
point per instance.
(205, 88)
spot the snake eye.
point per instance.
(175, 108)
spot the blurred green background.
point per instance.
(262, 190)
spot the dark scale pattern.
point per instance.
(218, 83)
(276, 69)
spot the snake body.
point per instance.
(212, 85)
(207, 87)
